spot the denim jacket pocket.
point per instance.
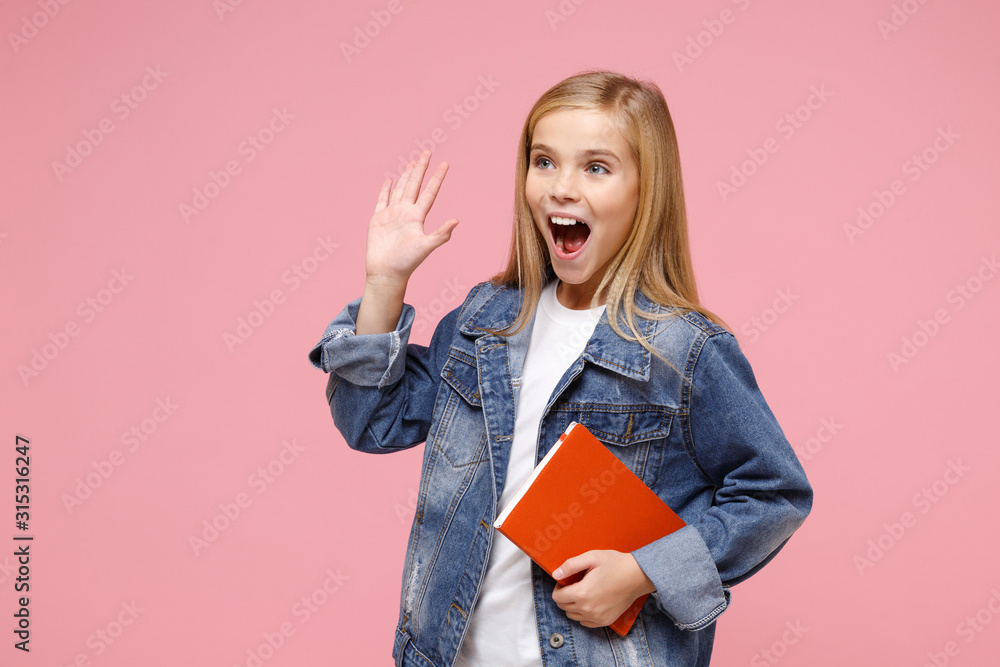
(459, 413)
(629, 431)
(463, 376)
(625, 425)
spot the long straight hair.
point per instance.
(655, 258)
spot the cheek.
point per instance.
(531, 190)
(531, 193)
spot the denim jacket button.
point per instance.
(556, 640)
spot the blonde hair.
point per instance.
(655, 258)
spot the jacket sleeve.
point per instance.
(382, 388)
(761, 492)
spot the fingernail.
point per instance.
(558, 573)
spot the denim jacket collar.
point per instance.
(605, 348)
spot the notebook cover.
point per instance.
(582, 497)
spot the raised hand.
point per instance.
(397, 244)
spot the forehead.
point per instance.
(572, 129)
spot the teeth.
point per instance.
(563, 221)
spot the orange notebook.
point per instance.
(582, 497)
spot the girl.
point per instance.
(595, 319)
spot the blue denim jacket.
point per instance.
(702, 438)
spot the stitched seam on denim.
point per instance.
(324, 354)
(624, 368)
(706, 620)
(449, 517)
(572, 645)
(476, 315)
(478, 453)
(613, 645)
(337, 334)
(688, 439)
(645, 641)
(331, 386)
(703, 323)
(663, 429)
(417, 651)
(638, 628)
(482, 573)
(640, 463)
(611, 407)
(393, 353)
(451, 409)
(469, 299)
(636, 437)
(398, 650)
(425, 477)
(465, 392)
(465, 571)
(455, 353)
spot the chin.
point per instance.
(570, 277)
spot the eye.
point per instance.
(540, 162)
(604, 170)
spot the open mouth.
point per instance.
(569, 235)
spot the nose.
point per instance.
(564, 185)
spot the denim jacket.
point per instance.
(701, 436)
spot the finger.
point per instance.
(397, 194)
(574, 565)
(427, 197)
(567, 605)
(442, 234)
(417, 177)
(383, 195)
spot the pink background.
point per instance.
(818, 308)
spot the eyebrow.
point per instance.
(587, 153)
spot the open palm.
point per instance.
(397, 242)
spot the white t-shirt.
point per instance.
(502, 630)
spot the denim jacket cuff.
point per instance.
(370, 360)
(688, 587)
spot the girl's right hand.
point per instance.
(397, 242)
